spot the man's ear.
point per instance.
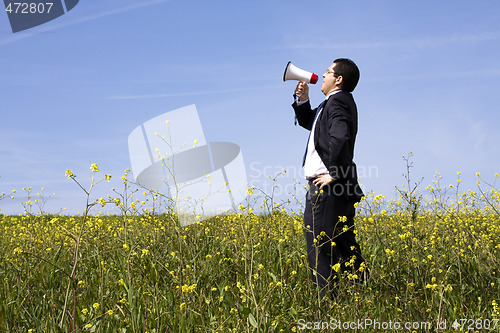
(339, 80)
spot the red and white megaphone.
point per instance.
(294, 73)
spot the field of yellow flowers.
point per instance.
(433, 257)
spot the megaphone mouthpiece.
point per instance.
(294, 73)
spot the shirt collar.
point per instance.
(332, 93)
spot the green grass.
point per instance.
(432, 258)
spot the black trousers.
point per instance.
(330, 238)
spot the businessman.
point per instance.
(332, 177)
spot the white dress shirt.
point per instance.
(314, 166)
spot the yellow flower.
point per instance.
(110, 312)
(107, 177)
(69, 174)
(94, 167)
(85, 311)
(183, 305)
(95, 306)
(188, 289)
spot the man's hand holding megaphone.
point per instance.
(294, 73)
(302, 91)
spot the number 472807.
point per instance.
(29, 8)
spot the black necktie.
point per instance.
(318, 110)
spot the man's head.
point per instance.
(342, 74)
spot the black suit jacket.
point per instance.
(334, 139)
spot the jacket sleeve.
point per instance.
(305, 115)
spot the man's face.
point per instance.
(330, 81)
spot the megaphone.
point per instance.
(294, 73)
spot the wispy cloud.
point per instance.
(52, 27)
(195, 93)
(434, 41)
(112, 12)
(486, 73)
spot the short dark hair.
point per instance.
(349, 72)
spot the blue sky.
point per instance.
(74, 88)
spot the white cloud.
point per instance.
(194, 93)
(435, 41)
